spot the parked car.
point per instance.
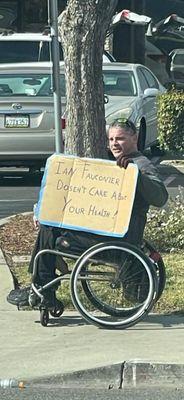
(25, 47)
(132, 90)
(176, 68)
(27, 134)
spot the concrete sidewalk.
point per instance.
(71, 352)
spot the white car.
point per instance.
(31, 47)
(27, 133)
(131, 91)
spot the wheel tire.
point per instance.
(160, 269)
(44, 317)
(58, 310)
(141, 137)
(114, 317)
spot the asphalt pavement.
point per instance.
(72, 353)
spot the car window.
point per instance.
(142, 80)
(25, 51)
(12, 51)
(152, 82)
(108, 57)
(178, 59)
(28, 85)
(119, 83)
(105, 58)
(46, 88)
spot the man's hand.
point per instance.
(123, 161)
(35, 221)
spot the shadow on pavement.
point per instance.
(151, 322)
(69, 321)
(157, 322)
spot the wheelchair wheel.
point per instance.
(113, 285)
(44, 317)
(159, 266)
(130, 287)
(57, 310)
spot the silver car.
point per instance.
(27, 113)
(131, 91)
(27, 135)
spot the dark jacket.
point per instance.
(150, 191)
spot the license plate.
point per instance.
(16, 121)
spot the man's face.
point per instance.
(121, 141)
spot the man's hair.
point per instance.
(124, 123)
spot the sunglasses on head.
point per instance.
(124, 123)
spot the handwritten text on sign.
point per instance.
(87, 194)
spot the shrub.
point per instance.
(171, 121)
(165, 227)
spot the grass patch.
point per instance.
(172, 299)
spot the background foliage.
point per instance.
(165, 227)
(171, 120)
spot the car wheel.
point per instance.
(141, 137)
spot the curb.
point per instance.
(107, 377)
(6, 220)
(8, 283)
(128, 374)
(140, 373)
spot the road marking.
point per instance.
(14, 201)
(168, 180)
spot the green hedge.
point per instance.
(165, 227)
(171, 121)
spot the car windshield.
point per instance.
(29, 85)
(119, 83)
(178, 59)
(12, 51)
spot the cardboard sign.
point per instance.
(87, 194)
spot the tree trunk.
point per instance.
(83, 27)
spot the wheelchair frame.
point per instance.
(114, 275)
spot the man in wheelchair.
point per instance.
(150, 190)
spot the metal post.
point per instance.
(53, 10)
(132, 37)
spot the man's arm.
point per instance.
(149, 184)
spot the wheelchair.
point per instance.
(113, 284)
